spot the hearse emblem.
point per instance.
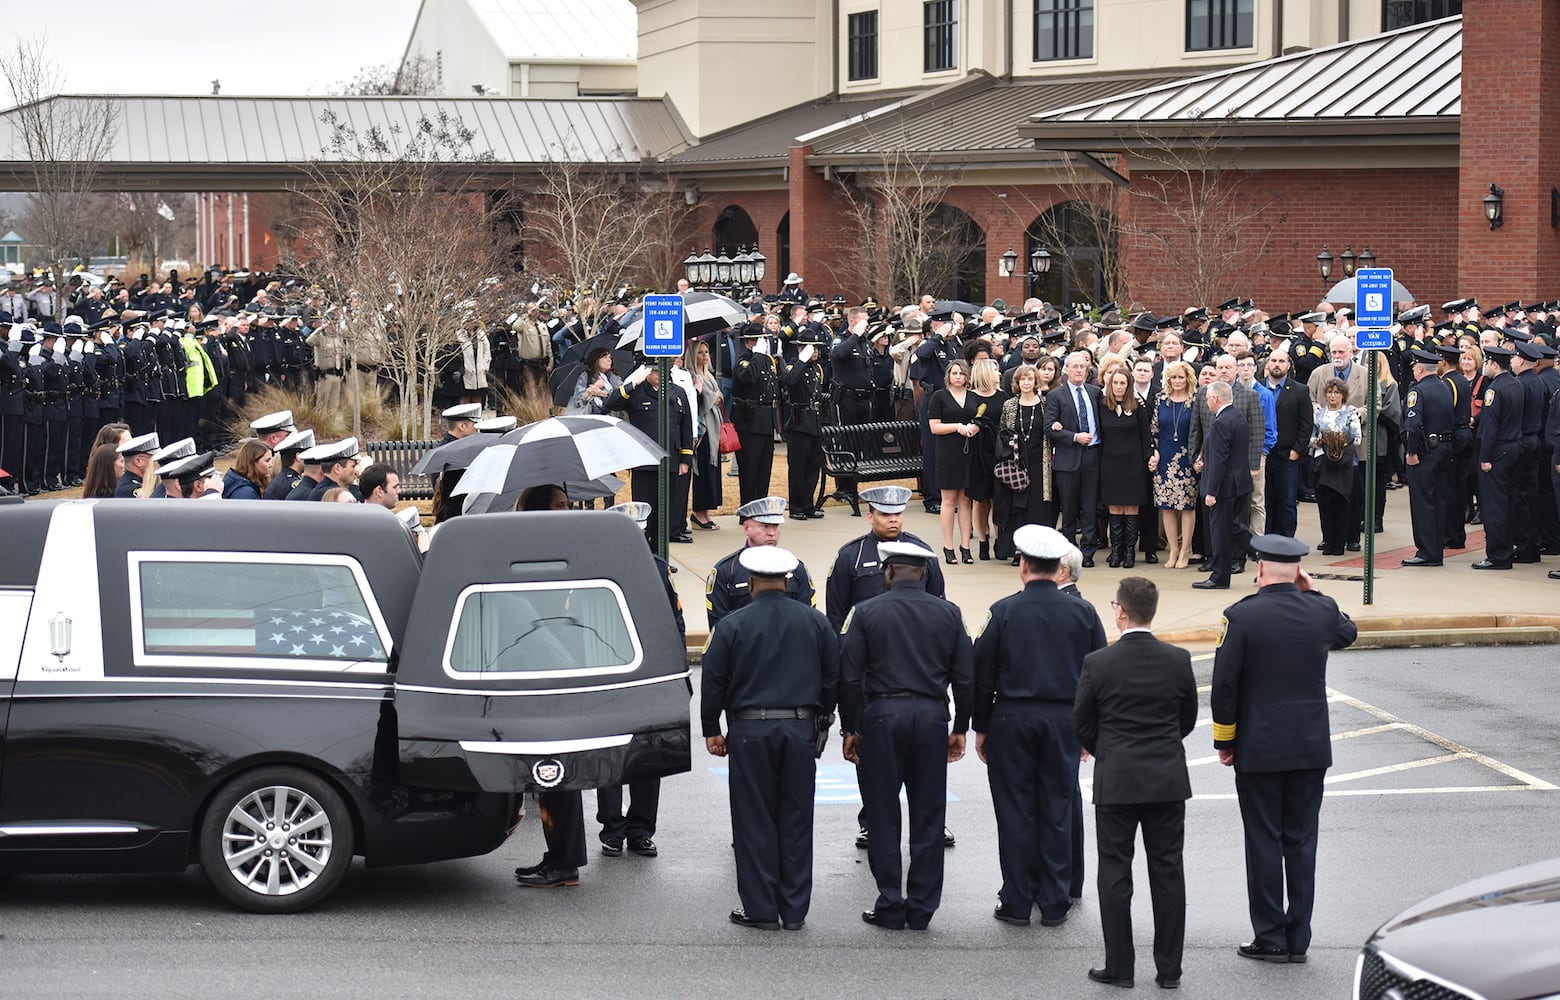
(547, 773)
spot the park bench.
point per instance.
(871, 452)
(401, 456)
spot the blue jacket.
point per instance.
(236, 487)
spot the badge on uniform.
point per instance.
(848, 619)
(1489, 397)
(1224, 628)
(1413, 397)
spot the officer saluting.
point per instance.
(773, 668)
(1269, 706)
(137, 453)
(901, 652)
(727, 589)
(1427, 446)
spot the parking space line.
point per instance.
(1407, 765)
(1367, 731)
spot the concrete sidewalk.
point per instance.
(1452, 596)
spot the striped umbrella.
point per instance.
(572, 449)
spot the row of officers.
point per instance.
(1042, 691)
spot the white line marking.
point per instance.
(1339, 792)
(1407, 765)
(1368, 731)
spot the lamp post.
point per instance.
(1324, 263)
(1347, 259)
(1494, 207)
(1039, 263)
(734, 274)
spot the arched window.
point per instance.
(733, 228)
(1081, 238)
(780, 262)
(954, 265)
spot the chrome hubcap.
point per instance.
(277, 840)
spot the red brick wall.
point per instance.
(254, 244)
(766, 209)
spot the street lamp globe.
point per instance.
(1040, 260)
(1324, 263)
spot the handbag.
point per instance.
(729, 442)
(1011, 472)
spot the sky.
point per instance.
(291, 47)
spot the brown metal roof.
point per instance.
(768, 140)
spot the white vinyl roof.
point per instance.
(533, 31)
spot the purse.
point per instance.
(1011, 472)
(729, 442)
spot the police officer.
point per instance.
(726, 589)
(137, 453)
(1429, 414)
(289, 465)
(901, 652)
(639, 398)
(803, 380)
(1500, 457)
(339, 463)
(1452, 521)
(1028, 656)
(773, 669)
(852, 354)
(1527, 500)
(13, 403)
(754, 387)
(1269, 706)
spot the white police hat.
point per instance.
(904, 552)
(637, 510)
(186, 467)
(281, 420)
(146, 444)
(1312, 317)
(1418, 314)
(1040, 542)
(296, 441)
(182, 448)
(888, 499)
(765, 510)
(465, 411)
(311, 455)
(339, 451)
(496, 425)
(768, 560)
(793, 279)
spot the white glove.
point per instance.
(805, 354)
(639, 375)
(859, 327)
(761, 346)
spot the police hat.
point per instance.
(887, 499)
(906, 553)
(188, 467)
(463, 411)
(1038, 541)
(1530, 350)
(1166, 322)
(1498, 351)
(940, 315)
(768, 560)
(1449, 352)
(637, 510)
(281, 420)
(1229, 304)
(496, 425)
(1457, 305)
(338, 451)
(764, 510)
(182, 448)
(143, 445)
(1423, 356)
(1544, 350)
(1278, 548)
(1511, 307)
(1418, 314)
(1194, 314)
(880, 330)
(1312, 317)
(1280, 327)
(1145, 323)
(295, 442)
(1515, 335)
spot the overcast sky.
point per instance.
(275, 47)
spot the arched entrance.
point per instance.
(955, 265)
(733, 228)
(781, 263)
(1082, 240)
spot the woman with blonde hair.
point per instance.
(250, 474)
(986, 388)
(1175, 482)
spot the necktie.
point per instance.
(1083, 409)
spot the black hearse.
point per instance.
(269, 689)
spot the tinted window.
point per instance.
(863, 32)
(1404, 13)
(531, 630)
(1064, 29)
(1218, 24)
(255, 609)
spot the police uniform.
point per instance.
(1527, 539)
(130, 483)
(641, 404)
(1500, 447)
(1453, 519)
(726, 588)
(1028, 656)
(852, 356)
(454, 415)
(754, 387)
(803, 426)
(773, 668)
(857, 573)
(900, 654)
(1428, 416)
(287, 479)
(1269, 706)
(330, 454)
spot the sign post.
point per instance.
(1373, 314)
(663, 340)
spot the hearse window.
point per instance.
(268, 610)
(543, 629)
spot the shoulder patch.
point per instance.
(1489, 397)
(709, 583)
(1413, 397)
(983, 623)
(850, 617)
(1224, 628)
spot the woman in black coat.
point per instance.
(1125, 447)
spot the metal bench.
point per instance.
(401, 456)
(857, 453)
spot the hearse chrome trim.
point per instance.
(67, 584)
(489, 693)
(553, 586)
(66, 830)
(546, 746)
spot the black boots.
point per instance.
(985, 550)
(1118, 530)
(1129, 540)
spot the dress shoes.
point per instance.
(1486, 564)
(1419, 561)
(643, 846)
(1013, 917)
(1167, 982)
(709, 525)
(686, 538)
(612, 848)
(1151, 558)
(793, 925)
(861, 839)
(1353, 546)
(1526, 559)
(882, 920)
(741, 919)
(1238, 567)
(1101, 976)
(1554, 574)
(1263, 953)
(1054, 921)
(1322, 547)
(800, 515)
(815, 512)
(1211, 584)
(1088, 562)
(932, 508)
(948, 838)
(548, 877)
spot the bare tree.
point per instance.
(154, 227)
(1189, 205)
(1092, 219)
(417, 76)
(64, 142)
(399, 235)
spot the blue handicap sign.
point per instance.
(1373, 297)
(835, 785)
(663, 320)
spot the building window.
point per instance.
(1405, 13)
(1218, 24)
(942, 35)
(1064, 29)
(863, 33)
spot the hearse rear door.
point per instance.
(541, 654)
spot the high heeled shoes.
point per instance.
(985, 550)
(950, 558)
(965, 556)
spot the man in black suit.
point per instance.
(1225, 485)
(1296, 417)
(1072, 423)
(1137, 700)
(1270, 723)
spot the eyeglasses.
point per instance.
(1115, 605)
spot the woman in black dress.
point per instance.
(1021, 432)
(986, 390)
(951, 416)
(1124, 450)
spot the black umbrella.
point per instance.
(562, 380)
(457, 454)
(623, 361)
(966, 309)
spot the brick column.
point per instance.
(820, 231)
(1510, 137)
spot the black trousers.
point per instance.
(904, 744)
(1526, 535)
(56, 438)
(1454, 498)
(34, 438)
(644, 486)
(1332, 509)
(1078, 498)
(928, 449)
(1426, 502)
(563, 825)
(1357, 503)
(75, 465)
(1164, 836)
(1282, 494)
(855, 406)
(772, 778)
(755, 464)
(1229, 535)
(1497, 491)
(804, 469)
(13, 449)
(643, 806)
(1033, 770)
(1280, 813)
